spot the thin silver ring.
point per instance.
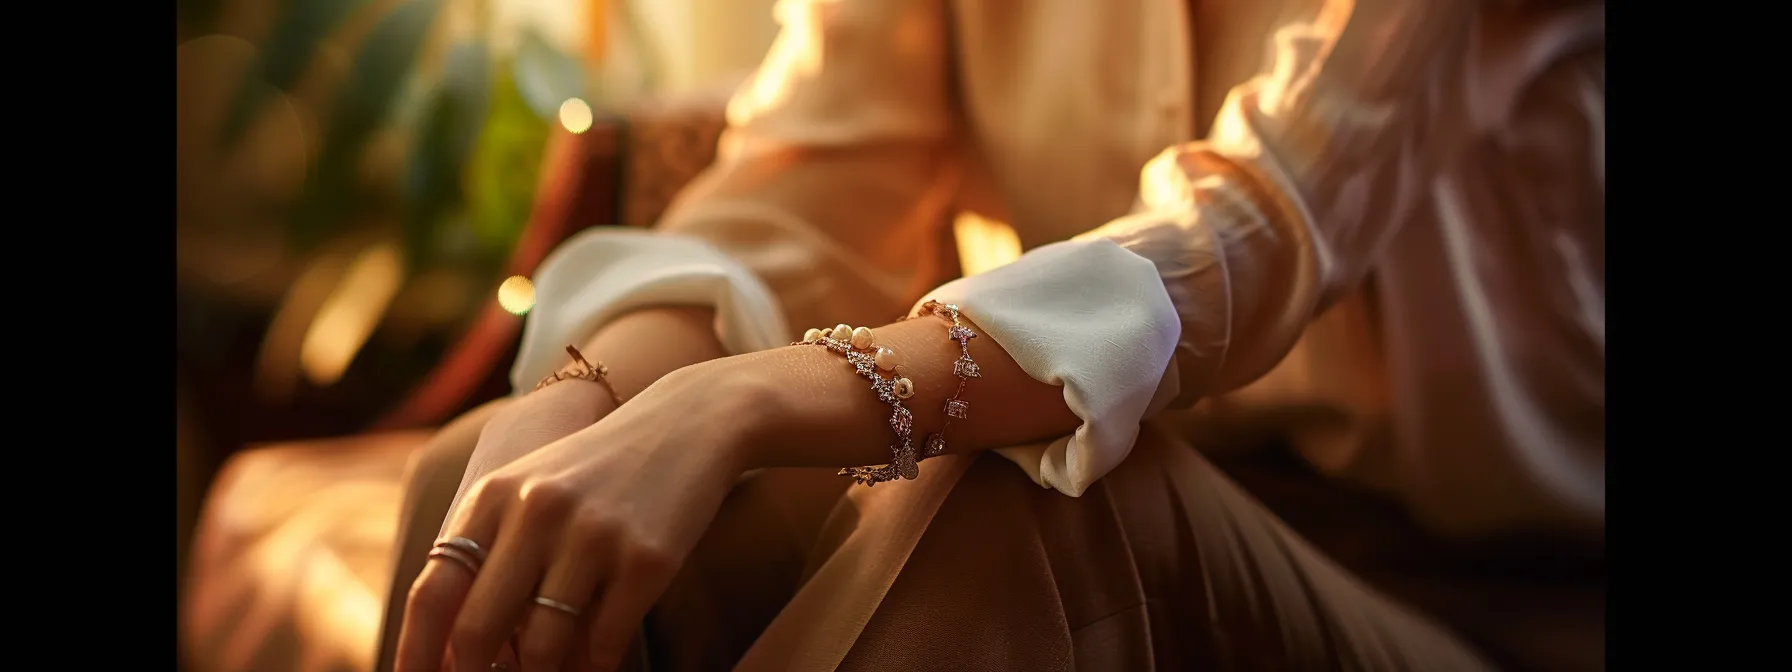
(465, 545)
(457, 556)
(557, 605)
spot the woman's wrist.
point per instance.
(574, 401)
(805, 407)
(743, 398)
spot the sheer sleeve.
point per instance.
(1249, 233)
(826, 202)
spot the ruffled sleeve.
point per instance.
(1238, 240)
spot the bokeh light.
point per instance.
(984, 244)
(517, 294)
(350, 313)
(575, 115)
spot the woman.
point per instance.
(1409, 170)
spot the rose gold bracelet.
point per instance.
(860, 349)
(582, 370)
(965, 368)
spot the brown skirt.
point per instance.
(1166, 563)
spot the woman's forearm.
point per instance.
(817, 412)
(644, 345)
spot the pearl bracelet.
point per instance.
(859, 347)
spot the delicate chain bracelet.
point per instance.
(582, 370)
(861, 352)
(965, 368)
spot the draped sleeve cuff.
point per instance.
(603, 273)
(1095, 319)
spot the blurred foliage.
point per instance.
(299, 29)
(505, 165)
(473, 134)
(387, 58)
(442, 139)
(546, 77)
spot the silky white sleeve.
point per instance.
(1111, 364)
(602, 273)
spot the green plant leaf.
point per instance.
(386, 58)
(298, 30)
(506, 165)
(546, 76)
(443, 138)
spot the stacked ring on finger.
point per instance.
(557, 605)
(462, 551)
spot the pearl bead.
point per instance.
(841, 332)
(905, 388)
(811, 335)
(887, 359)
(861, 338)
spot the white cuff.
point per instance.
(1089, 316)
(599, 274)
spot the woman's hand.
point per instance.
(646, 343)
(599, 520)
(535, 420)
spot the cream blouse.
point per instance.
(1396, 212)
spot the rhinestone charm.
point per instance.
(902, 421)
(870, 476)
(958, 409)
(966, 368)
(906, 467)
(961, 334)
(936, 445)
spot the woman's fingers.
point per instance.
(556, 614)
(498, 601)
(642, 575)
(441, 588)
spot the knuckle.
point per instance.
(492, 489)
(547, 498)
(648, 558)
(594, 526)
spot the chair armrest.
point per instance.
(623, 171)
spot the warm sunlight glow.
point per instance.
(794, 56)
(277, 366)
(575, 115)
(516, 295)
(984, 244)
(348, 317)
(293, 557)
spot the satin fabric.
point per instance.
(1395, 215)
